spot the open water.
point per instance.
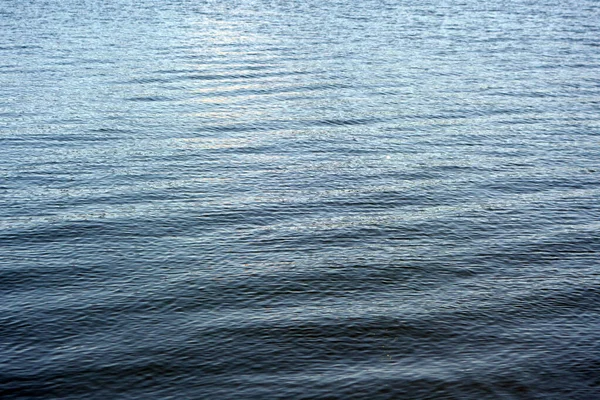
(312, 199)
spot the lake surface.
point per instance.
(299, 199)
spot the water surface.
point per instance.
(299, 200)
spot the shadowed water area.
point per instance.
(253, 199)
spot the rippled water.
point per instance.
(300, 199)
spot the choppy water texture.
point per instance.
(299, 199)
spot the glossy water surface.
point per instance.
(253, 199)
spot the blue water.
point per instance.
(253, 199)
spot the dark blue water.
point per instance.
(253, 199)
